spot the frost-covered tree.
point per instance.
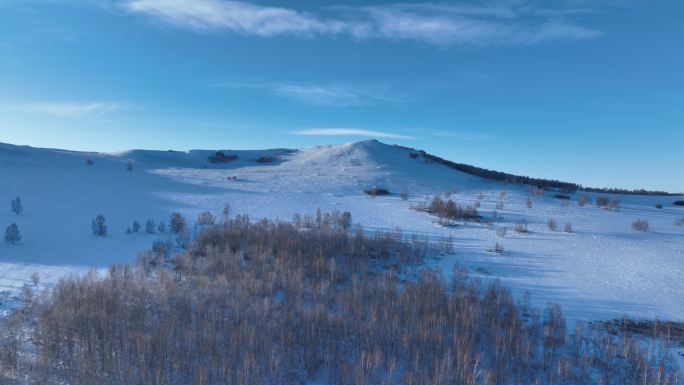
(177, 223)
(99, 226)
(136, 226)
(205, 219)
(17, 206)
(12, 234)
(149, 226)
(162, 227)
(346, 220)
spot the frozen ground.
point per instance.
(602, 270)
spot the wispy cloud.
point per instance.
(328, 95)
(64, 109)
(502, 23)
(350, 132)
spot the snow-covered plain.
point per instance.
(602, 270)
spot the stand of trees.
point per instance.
(521, 179)
(273, 303)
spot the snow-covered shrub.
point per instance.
(177, 223)
(498, 248)
(136, 226)
(521, 227)
(582, 200)
(404, 195)
(659, 205)
(501, 231)
(375, 191)
(552, 225)
(12, 234)
(529, 203)
(448, 209)
(679, 221)
(130, 165)
(568, 227)
(265, 159)
(162, 227)
(17, 206)
(641, 225)
(98, 226)
(602, 201)
(89, 161)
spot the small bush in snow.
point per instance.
(678, 203)
(404, 195)
(136, 226)
(658, 206)
(614, 205)
(12, 234)
(521, 227)
(582, 200)
(89, 161)
(265, 159)
(130, 165)
(17, 206)
(679, 221)
(640, 225)
(502, 231)
(529, 203)
(499, 206)
(498, 248)
(35, 278)
(149, 226)
(226, 211)
(99, 226)
(162, 227)
(375, 191)
(602, 201)
(568, 227)
(552, 225)
(177, 223)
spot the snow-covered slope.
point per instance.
(602, 270)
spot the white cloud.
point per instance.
(350, 132)
(505, 23)
(64, 109)
(328, 95)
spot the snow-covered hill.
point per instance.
(602, 270)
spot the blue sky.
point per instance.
(584, 91)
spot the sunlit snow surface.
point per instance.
(602, 270)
